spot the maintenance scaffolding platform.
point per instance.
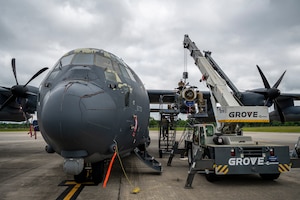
(167, 130)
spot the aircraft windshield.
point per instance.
(86, 59)
(94, 57)
(83, 59)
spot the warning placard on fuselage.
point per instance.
(243, 114)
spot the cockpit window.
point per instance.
(66, 60)
(103, 62)
(109, 75)
(114, 68)
(130, 74)
(124, 71)
(83, 59)
(86, 59)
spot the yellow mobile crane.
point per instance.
(223, 150)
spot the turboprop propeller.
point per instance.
(270, 93)
(19, 91)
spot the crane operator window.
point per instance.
(196, 135)
(209, 130)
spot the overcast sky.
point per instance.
(148, 36)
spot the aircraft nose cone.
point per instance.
(68, 111)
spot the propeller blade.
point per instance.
(281, 115)
(279, 80)
(6, 88)
(37, 74)
(13, 65)
(8, 101)
(19, 91)
(266, 83)
(267, 101)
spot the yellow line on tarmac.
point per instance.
(72, 192)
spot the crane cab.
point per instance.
(203, 134)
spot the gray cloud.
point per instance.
(148, 36)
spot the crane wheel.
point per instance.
(270, 177)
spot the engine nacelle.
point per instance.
(189, 94)
(29, 104)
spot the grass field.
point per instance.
(285, 129)
(13, 129)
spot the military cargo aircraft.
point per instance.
(92, 103)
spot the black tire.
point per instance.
(160, 153)
(211, 177)
(142, 147)
(82, 177)
(269, 177)
(190, 156)
(97, 172)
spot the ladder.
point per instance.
(178, 147)
(167, 130)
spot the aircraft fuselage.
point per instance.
(89, 102)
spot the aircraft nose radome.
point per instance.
(69, 110)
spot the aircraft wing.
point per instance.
(157, 96)
(293, 96)
(286, 100)
(5, 91)
(169, 96)
(12, 111)
(172, 96)
(4, 95)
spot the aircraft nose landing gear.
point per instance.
(91, 172)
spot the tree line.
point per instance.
(5, 125)
(153, 123)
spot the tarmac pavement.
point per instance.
(28, 172)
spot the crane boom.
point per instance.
(215, 83)
(231, 111)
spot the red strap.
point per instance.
(135, 125)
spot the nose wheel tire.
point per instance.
(82, 177)
(96, 174)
